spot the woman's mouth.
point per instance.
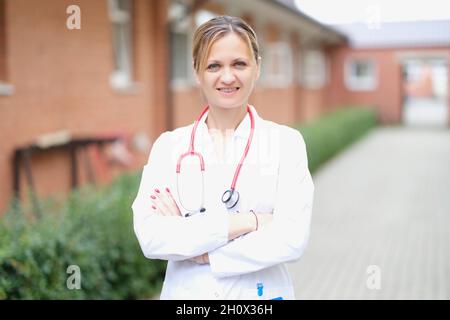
(228, 91)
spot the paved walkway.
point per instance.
(425, 112)
(385, 201)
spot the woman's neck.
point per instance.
(224, 120)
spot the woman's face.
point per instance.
(230, 74)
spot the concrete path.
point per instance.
(422, 112)
(385, 203)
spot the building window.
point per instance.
(120, 15)
(313, 69)
(360, 75)
(277, 65)
(181, 73)
(181, 70)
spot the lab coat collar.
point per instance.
(243, 129)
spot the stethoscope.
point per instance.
(231, 196)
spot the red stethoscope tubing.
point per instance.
(192, 152)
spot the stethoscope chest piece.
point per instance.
(230, 198)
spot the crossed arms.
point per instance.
(211, 237)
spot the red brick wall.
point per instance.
(3, 75)
(276, 104)
(61, 80)
(387, 97)
(312, 103)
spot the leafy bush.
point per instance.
(92, 230)
(333, 132)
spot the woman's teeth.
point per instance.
(228, 90)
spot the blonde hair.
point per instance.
(216, 28)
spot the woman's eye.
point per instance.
(240, 64)
(213, 67)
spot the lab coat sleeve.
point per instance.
(170, 237)
(286, 237)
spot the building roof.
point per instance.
(397, 34)
(290, 6)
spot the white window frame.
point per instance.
(6, 89)
(314, 69)
(189, 80)
(182, 26)
(354, 83)
(122, 76)
(277, 52)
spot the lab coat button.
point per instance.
(216, 294)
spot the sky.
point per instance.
(369, 11)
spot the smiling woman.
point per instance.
(227, 245)
(227, 64)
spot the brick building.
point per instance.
(400, 67)
(127, 73)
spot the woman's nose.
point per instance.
(227, 76)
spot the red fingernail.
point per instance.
(154, 208)
(167, 189)
(153, 197)
(156, 190)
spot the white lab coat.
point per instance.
(274, 178)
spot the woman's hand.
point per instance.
(164, 204)
(240, 224)
(202, 259)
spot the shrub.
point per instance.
(333, 132)
(92, 230)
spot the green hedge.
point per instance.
(333, 132)
(93, 230)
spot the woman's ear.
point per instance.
(258, 70)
